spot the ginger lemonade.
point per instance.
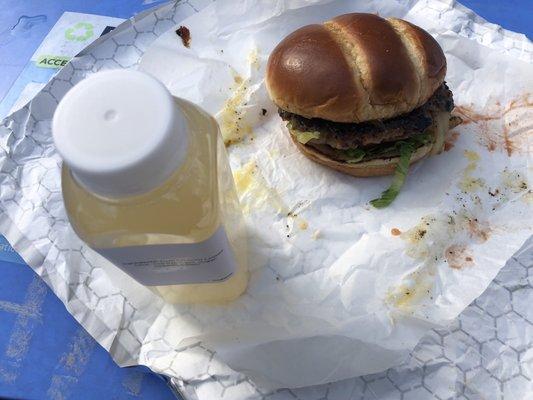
(147, 184)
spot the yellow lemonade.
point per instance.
(184, 237)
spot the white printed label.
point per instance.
(171, 264)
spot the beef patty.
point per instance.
(351, 135)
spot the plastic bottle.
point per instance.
(146, 183)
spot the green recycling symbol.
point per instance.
(79, 32)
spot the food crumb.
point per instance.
(468, 259)
(253, 58)
(303, 225)
(395, 232)
(185, 35)
(316, 234)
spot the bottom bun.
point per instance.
(377, 167)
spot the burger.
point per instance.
(363, 95)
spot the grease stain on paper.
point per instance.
(303, 225)
(316, 234)
(436, 240)
(255, 195)
(253, 59)
(231, 118)
(514, 181)
(502, 128)
(446, 239)
(468, 183)
(294, 218)
(459, 257)
(449, 143)
(414, 289)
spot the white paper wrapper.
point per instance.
(334, 294)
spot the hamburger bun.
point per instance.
(355, 68)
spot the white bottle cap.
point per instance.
(120, 133)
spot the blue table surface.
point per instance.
(44, 352)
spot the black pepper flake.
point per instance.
(263, 111)
(288, 236)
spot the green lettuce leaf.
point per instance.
(354, 155)
(400, 174)
(304, 137)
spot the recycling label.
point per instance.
(80, 32)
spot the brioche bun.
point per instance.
(355, 68)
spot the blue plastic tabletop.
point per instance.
(44, 353)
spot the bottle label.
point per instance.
(212, 260)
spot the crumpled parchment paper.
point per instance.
(338, 289)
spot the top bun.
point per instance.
(354, 68)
